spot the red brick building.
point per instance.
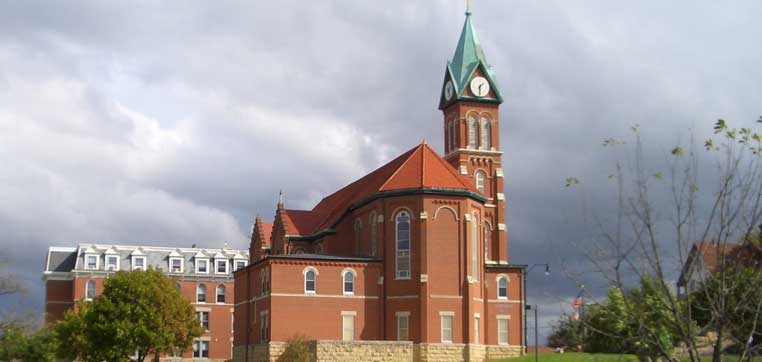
(204, 277)
(415, 251)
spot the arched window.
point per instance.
(358, 235)
(201, 293)
(473, 132)
(220, 293)
(480, 176)
(487, 241)
(502, 287)
(310, 281)
(349, 282)
(373, 226)
(452, 135)
(264, 281)
(486, 139)
(403, 244)
(475, 247)
(90, 290)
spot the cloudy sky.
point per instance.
(175, 123)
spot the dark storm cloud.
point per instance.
(176, 124)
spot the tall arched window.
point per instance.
(310, 280)
(90, 290)
(452, 135)
(487, 241)
(201, 293)
(358, 236)
(486, 134)
(475, 247)
(403, 244)
(473, 132)
(502, 287)
(220, 293)
(373, 223)
(480, 177)
(349, 282)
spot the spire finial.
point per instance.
(280, 198)
(468, 7)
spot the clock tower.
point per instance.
(470, 101)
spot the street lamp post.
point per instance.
(526, 307)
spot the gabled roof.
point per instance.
(708, 254)
(417, 169)
(267, 231)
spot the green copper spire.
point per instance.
(469, 57)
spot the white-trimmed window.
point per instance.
(445, 322)
(348, 276)
(240, 264)
(403, 326)
(502, 287)
(502, 329)
(201, 293)
(310, 280)
(373, 225)
(220, 293)
(480, 177)
(486, 139)
(402, 227)
(264, 325)
(176, 265)
(475, 247)
(138, 263)
(91, 261)
(202, 266)
(201, 349)
(90, 290)
(348, 326)
(473, 132)
(112, 262)
(221, 266)
(203, 319)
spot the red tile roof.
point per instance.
(710, 253)
(420, 167)
(267, 231)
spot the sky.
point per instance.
(160, 123)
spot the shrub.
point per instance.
(297, 350)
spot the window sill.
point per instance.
(309, 292)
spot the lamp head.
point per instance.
(547, 269)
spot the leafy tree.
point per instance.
(139, 311)
(657, 215)
(17, 344)
(566, 333)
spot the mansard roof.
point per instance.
(419, 170)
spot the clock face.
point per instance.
(479, 86)
(448, 91)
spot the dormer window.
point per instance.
(221, 266)
(91, 262)
(175, 265)
(240, 264)
(202, 266)
(112, 262)
(138, 263)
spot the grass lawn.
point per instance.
(592, 357)
(574, 357)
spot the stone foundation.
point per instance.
(495, 352)
(380, 351)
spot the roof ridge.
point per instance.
(409, 157)
(451, 169)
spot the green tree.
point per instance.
(139, 311)
(566, 333)
(17, 344)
